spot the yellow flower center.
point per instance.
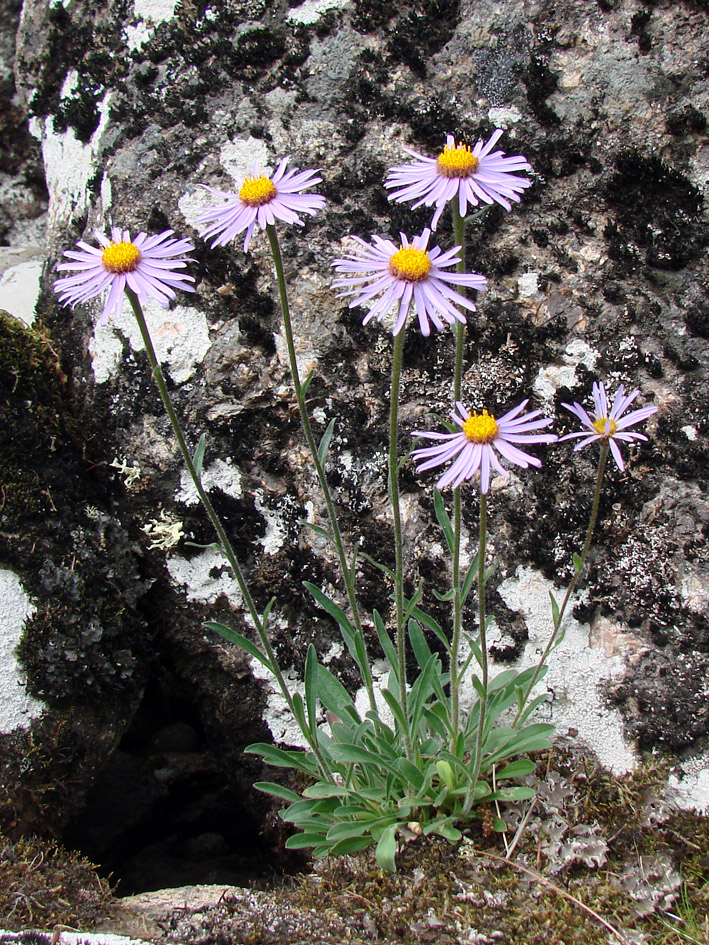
(256, 191)
(120, 257)
(480, 427)
(409, 264)
(457, 161)
(600, 426)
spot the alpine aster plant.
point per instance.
(146, 265)
(609, 424)
(470, 175)
(482, 436)
(409, 275)
(260, 201)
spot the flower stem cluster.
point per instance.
(425, 765)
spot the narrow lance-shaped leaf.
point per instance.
(325, 441)
(443, 518)
(233, 637)
(198, 458)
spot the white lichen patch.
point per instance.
(69, 164)
(17, 708)
(19, 289)
(150, 13)
(221, 474)
(504, 117)
(577, 670)
(689, 785)
(551, 378)
(275, 535)
(312, 10)
(528, 285)
(205, 577)
(240, 156)
(180, 336)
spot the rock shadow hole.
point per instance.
(162, 813)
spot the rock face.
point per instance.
(600, 272)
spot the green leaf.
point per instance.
(380, 567)
(515, 792)
(385, 640)
(318, 529)
(299, 841)
(386, 849)
(311, 688)
(516, 769)
(212, 545)
(321, 790)
(554, 610)
(498, 825)
(443, 518)
(233, 637)
(334, 696)
(578, 563)
(277, 790)
(446, 774)
(421, 649)
(306, 383)
(198, 458)
(279, 758)
(325, 441)
(349, 845)
(470, 575)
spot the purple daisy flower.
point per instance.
(481, 437)
(480, 174)
(260, 200)
(609, 425)
(144, 265)
(409, 275)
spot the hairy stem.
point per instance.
(459, 235)
(347, 571)
(224, 541)
(579, 566)
(397, 359)
(482, 642)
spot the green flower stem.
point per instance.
(347, 572)
(482, 641)
(397, 360)
(581, 562)
(459, 236)
(224, 542)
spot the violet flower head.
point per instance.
(146, 265)
(260, 201)
(471, 176)
(409, 275)
(481, 438)
(609, 424)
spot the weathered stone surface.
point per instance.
(601, 271)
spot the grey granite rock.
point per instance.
(601, 271)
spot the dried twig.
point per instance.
(538, 877)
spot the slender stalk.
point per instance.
(459, 235)
(347, 572)
(580, 564)
(397, 360)
(482, 641)
(224, 542)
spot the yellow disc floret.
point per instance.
(120, 257)
(410, 264)
(457, 161)
(604, 426)
(480, 427)
(255, 191)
